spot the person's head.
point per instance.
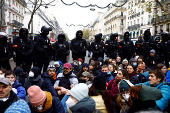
(130, 69)
(152, 53)
(79, 34)
(157, 60)
(37, 97)
(45, 30)
(85, 67)
(122, 74)
(124, 63)
(165, 36)
(155, 76)
(10, 75)
(105, 68)
(126, 36)
(3, 38)
(92, 60)
(56, 64)
(51, 70)
(23, 32)
(113, 36)
(5, 87)
(110, 60)
(67, 68)
(34, 72)
(114, 62)
(61, 37)
(161, 67)
(140, 59)
(80, 61)
(85, 77)
(2, 73)
(112, 67)
(97, 38)
(92, 66)
(141, 66)
(118, 59)
(77, 93)
(147, 35)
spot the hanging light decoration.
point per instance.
(88, 25)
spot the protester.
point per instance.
(43, 101)
(79, 99)
(17, 87)
(100, 95)
(132, 74)
(112, 87)
(2, 73)
(85, 67)
(7, 96)
(58, 67)
(86, 78)
(50, 77)
(20, 74)
(112, 69)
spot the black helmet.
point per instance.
(126, 36)
(79, 34)
(147, 34)
(45, 30)
(23, 32)
(157, 39)
(61, 37)
(98, 37)
(113, 36)
(3, 38)
(165, 36)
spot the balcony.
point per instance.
(134, 27)
(23, 1)
(160, 19)
(17, 23)
(149, 23)
(163, 2)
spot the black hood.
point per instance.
(23, 32)
(126, 36)
(97, 38)
(147, 35)
(61, 37)
(36, 71)
(79, 34)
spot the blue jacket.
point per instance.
(165, 89)
(50, 84)
(168, 76)
(20, 89)
(56, 107)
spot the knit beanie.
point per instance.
(56, 63)
(85, 65)
(72, 65)
(153, 51)
(36, 95)
(17, 71)
(124, 85)
(99, 82)
(60, 62)
(80, 91)
(36, 71)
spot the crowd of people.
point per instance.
(133, 78)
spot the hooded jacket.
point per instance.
(86, 102)
(21, 92)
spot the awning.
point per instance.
(136, 31)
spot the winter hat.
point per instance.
(79, 59)
(133, 60)
(86, 74)
(80, 91)
(56, 63)
(85, 65)
(124, 85)
(67, 65)
(19, 106)
(17, 71)
(153, 51)
(72, 65)
(36, 95)
(60, 62)
(125, 60)
(36, 71)
(50, 67)
(99, 82)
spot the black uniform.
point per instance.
(78, 46)
(61, 48)
(126, 47)
(111, 46)
(43, 48)
(165, 48)
(138, 45)
(147, 45)
(97, 47)
(158, 46)
(5, 51)
(23, 48)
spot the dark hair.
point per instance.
(10, 72)
(125, 73)
(112, 66)
(91, 59)
(3, 70)
(135, 91)
(160, 66)
(158, 73)
(132, 66)
(104, 66)
(93, 64)
(17, 67)
(97, 65)
(80, 72)
(105, 96)
(141, 57)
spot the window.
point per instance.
(141, 20)
(13, 17)
(134, 22)
(13, 2)
(149, 19)
(19, 20)
(156, 29)
(9, 15)
(121, 13)
(9, 31)
(121, 21)
(16, 18)
(169, 8)
(121, 30)
(128, 23)
(9, 2)
(137, 21)
(161, 27)
(22, 11)
(19, 8)
(131, 23)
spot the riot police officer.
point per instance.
(23, 48)
(5, 51)
(158, 45)
(111, 46)
(97, 47)
(165, 48)
(138, 45)
(126, 47)
(147, 45)
(61, 48)
(78, 46)
(43, 48)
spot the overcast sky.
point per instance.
(75, 14)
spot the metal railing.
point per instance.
(17, 23)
